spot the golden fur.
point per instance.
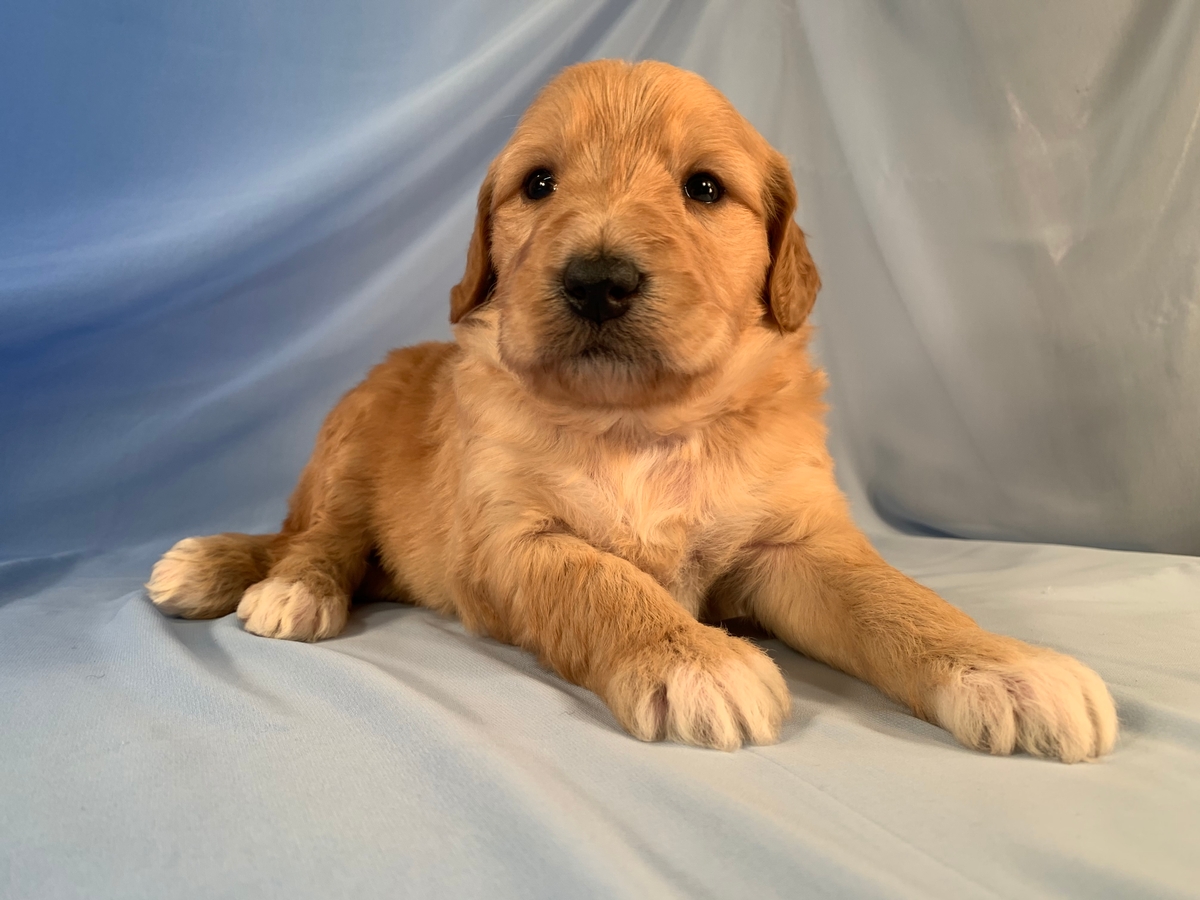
(596, 493)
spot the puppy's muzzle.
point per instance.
(599, 288)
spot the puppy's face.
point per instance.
(634, 230)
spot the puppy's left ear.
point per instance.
(792, 279)
(479, 277)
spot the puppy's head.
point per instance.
(631, 235)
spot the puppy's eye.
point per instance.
(703, 187)
(540, 184)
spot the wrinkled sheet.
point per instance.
(151, 757)
(215, 217)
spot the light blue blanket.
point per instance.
(214, 217)
(150, 757)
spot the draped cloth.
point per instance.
(215, 217)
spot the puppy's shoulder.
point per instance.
(400, 392)
(406, 368)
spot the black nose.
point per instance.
(600, 288)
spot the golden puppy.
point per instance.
(624, 441)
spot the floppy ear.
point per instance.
(479, 277)
(792, 279)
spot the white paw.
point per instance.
(292, 611)
(711, 691)
(170, 575)
(186, 582)
(1041, 702)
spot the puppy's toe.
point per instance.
(719, 692)
(292, 610)
(1042, 702)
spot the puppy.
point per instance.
(623, 442)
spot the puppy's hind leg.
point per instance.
(205, 577)
(306, 594)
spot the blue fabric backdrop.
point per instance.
(215, 216)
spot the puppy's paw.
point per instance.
(195, 579)
(704, 688)
(292, 610)
(1030, 699)
(171, 576)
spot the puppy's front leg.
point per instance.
(603, 623)
(830, 595)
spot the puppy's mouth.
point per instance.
(604, 368)
(619, 345)
(602, 350)
(610, 363)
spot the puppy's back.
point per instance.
(400, 426)
(380, 446)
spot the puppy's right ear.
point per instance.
(479, 277)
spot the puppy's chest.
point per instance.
(674, 516)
